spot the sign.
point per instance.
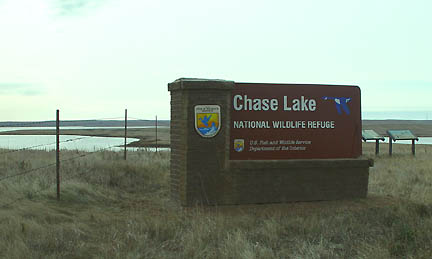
(371, 135)
(207, 120)
(401, 135)
(295, 121)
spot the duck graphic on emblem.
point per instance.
(205, 120)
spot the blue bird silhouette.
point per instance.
(205, 120)
(341, 103)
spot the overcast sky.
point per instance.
(94, 58)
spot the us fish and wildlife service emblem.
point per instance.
(207, 120)
(239, 145)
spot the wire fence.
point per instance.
(44, 168)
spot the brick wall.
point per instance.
(178, 146)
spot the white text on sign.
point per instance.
(303, 104)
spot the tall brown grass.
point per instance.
(111, 208)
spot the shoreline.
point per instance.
(146, 136)
(420, 128)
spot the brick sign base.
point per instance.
(203, 174)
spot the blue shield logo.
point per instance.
(239, 145)
(207, 120)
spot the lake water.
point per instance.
(83, 143)
(48, 142)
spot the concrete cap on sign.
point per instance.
(200, 84)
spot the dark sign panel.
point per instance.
(292, 121)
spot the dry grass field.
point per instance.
(111, 208)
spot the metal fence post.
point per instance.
(413, 147)
(390, 145)
(156, 135)
(58, 153)
(377, 147)
(125, 134)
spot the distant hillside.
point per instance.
(84, 123)
(420, 128)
